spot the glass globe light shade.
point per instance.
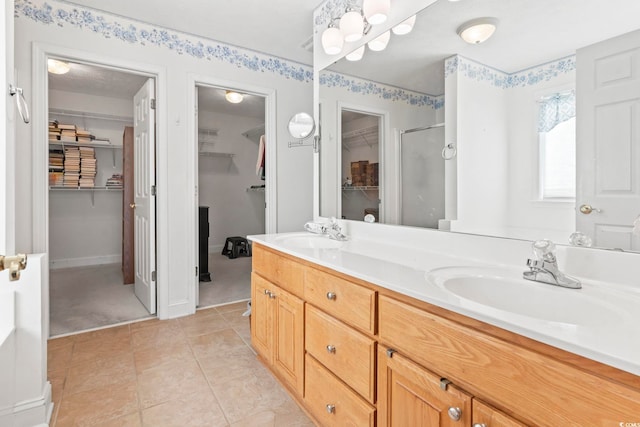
(332, 41)
(478, 30)
(376, 11)
(351, 25)
(233, 97)
(55, 66)
(356, 55)
(405, 26)
(380, 42)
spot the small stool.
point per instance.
(235, 246)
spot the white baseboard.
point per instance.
(55, 264)
(36, 412)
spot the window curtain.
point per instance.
(556, 109)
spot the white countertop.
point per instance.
(601, 321)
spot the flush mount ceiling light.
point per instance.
(352, 25)
(233, 97)
(332, 40)
(376, 11)
(356, 55)
(405, 26)
(477, 30)
(55, 66)
(380, 42)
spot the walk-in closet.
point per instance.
(91, 200)
(231, 190)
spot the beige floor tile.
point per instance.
(104, 334)
(195, 410)
(56, 343)
(204, 312)
(130, 420)
(193, 326)
(236, 364)
(252, 394)
(242, 305)
(59, 357)
(99, 373)
(98, 406)
(170, 381)
(100, 349)
(156, 357)
(288, 415)
(216, 344)
(236, 319)
(157, 336)
(57, 379)
(150, 323)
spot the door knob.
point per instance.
(14, 263)
(132, 205)
(587, 209)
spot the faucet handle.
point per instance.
(544, 249)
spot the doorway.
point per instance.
(232, 188)
(100, 274)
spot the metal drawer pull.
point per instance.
(331, 295)
(331, 348)
(331, 408)
(479, 425)
(455, 413)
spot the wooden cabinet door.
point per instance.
(486, 416)
(262, 317)
(288, 339)
(410, 395)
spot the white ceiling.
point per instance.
(92, 80)
(213, 100)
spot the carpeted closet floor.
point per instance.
(91, 297)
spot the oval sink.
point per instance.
(310, 241)
(500, 290)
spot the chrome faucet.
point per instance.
(331, 229)
(544, 267)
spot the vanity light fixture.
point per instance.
(376, 11)
(380, 42)
(55, 66)
(332, 40)
(477, 30)
(405, 26)
(352, 25)
(356, 55)
(233, 97)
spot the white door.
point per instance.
(608, 141)
(144, 195)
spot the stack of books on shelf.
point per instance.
(116, 181)
(71, 167)
(84, 136)
(54, 131)
(64, 132)
(56, 167)
(87, 167)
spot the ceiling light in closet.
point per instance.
(55, 66)
(376, 11)
(477, 30)
(380, 42)
(405, 26)
(233, 97)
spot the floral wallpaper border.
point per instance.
(528, 77)
(133, 32)
(390, 93)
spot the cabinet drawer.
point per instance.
(331, 402)
(540, 389)
(344, 351)
(282, 271)
(342, 299)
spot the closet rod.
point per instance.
(437, 125)
(69, 113)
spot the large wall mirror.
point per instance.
(533, 134)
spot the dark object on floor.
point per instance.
(203, 244)
(235, 246)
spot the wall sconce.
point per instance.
(352, 25)
(380, 42)
(233, 97)
(405, 26)
(477, 30)
(332, 40)
(55, 66)
(356, 55)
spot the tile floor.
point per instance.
(193, 371)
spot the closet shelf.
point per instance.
(360, 187)
(254, 134)
(61, 188)
(104, 144)
(256, 189)
(215, 154)
(365, 136)
(84, 115)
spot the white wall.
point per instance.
(223, 181)
(123, 42)
(86, 229)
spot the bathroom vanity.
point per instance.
(360, 339)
